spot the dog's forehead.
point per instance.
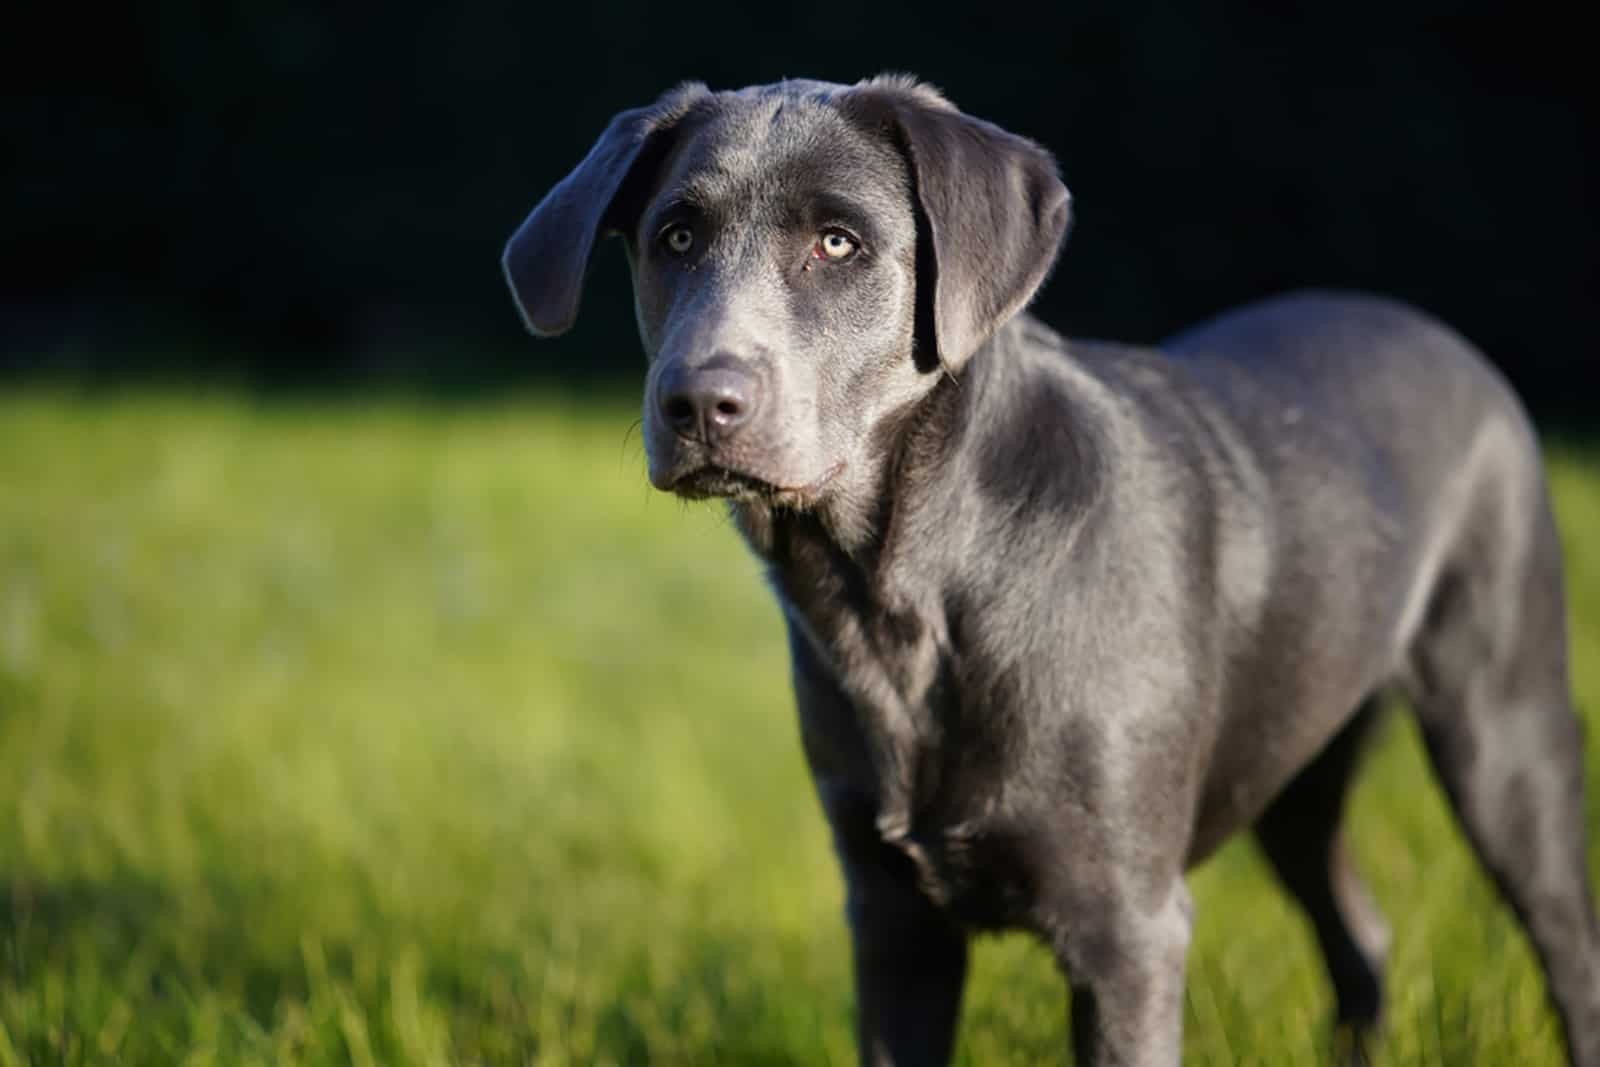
(789, 137)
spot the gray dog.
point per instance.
(1063, 616)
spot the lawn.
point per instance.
(389, 732)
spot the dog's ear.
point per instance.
(545, 260)
(992, 210)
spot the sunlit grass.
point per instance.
(391, 733)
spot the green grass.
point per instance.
(392, 734)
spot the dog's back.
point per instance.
(1359, 456)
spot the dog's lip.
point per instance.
(734, 484)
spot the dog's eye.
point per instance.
(678, 239)
(835, 245)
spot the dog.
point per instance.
(1062, 615)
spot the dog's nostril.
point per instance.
(678, 409)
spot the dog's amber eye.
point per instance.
(678, 239)
(836, 245)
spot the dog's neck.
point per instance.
(877, 625)
(869, 587)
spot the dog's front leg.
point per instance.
(910, 965)
(910, 958)
(1124, 959)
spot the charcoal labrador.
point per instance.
(1065, 615)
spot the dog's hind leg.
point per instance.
(1299, 833)
(1489, 684)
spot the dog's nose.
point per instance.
(709, 402)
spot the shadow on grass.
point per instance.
(40, 911)
(168, 967)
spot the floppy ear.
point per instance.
(545, 260)
(991, 207)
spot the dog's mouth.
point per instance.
(710, 481)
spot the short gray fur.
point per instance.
(1064, 615)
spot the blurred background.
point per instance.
(359, 702)
(306, 190)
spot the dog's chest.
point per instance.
(903, 771)
(981, 872)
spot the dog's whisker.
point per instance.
(627, 435)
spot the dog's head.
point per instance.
(807, 259)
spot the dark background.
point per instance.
(293, 192)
